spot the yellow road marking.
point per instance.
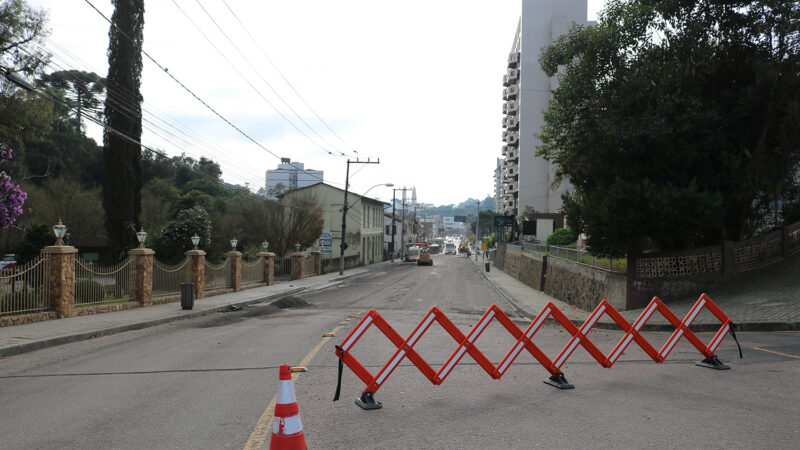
(777, 353)
(261, 432)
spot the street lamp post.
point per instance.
(393, 220)
(344, 215)
(59, 230)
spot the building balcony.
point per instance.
(506, 82)
(511, 108)
(512, 123)
(510, 93)
(513, 138)
(513, 76)
(513, 59)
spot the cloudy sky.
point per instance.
(417, 84)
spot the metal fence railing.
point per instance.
(253, 271)
(583, 256)
(96, 285)
(25, 289)
(167, 279)
(283, 269)
(217, 276)
(536, 247)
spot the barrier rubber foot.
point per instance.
(712, 363)
(367, 401)
(560, 381)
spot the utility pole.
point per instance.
(403, 228)
(416, 238)
(477, 221)
(343, 245)
(393, 216)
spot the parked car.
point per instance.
(8, 261)
(412, 254)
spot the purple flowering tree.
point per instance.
(11, 196)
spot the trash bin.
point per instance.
(187, 295)
(487, 266)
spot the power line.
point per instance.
(260, 76)
(284, 77)
(43, 93)
(126, 107)
(184, 87)
(222, 54)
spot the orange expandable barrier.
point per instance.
(466, 343)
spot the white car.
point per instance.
(449, 248)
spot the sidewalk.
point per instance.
(25, 338)
(767, 299)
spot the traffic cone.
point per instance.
(287, 430)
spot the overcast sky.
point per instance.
(416, 83)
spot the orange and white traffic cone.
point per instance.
(287, 430)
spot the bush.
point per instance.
(87, 291)
(562, 236)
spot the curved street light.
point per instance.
(344, 222)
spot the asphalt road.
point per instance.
(207, 382)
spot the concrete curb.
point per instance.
(60, 340)
(77, 337)
(665, 327)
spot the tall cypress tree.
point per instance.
(122, 186)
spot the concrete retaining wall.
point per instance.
(526, 267)
(584, 286)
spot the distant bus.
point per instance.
(439, 242)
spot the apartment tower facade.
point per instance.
(527, 180)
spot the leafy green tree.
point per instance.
(192, 199)
(64, 152)
(79, 208)
(278, 189)
(176, 236)
(672, 119)
(158, 197)
(205, 186)
(81, 91)
(562, 236)
(23, 115)
(123, 114)
(23, 31)
(37, 236)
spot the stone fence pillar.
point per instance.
(269, 267)
(297, 266)
(142, 275)
(62, 279)
(197, 271)
(317, 262)
(236, 269)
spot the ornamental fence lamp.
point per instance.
(60, 230)
(141, 236)
(265, 245)
(195, 240)
(233, 244)
(297, 247)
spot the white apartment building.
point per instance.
(498, 185)
(290, 176)
(527, 179)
